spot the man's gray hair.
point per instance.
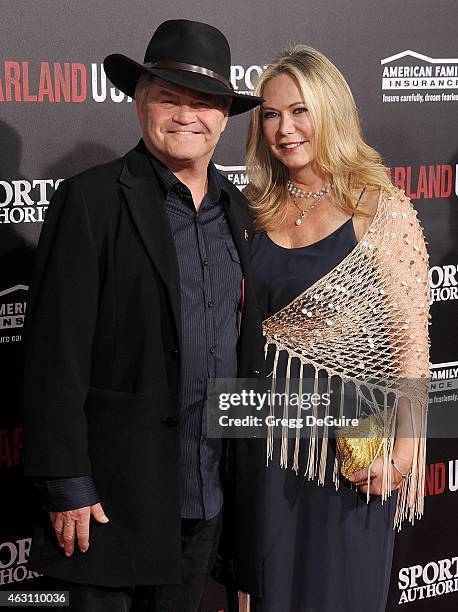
(143, 85)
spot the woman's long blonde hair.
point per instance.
(339, 148)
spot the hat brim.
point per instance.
(124, 73)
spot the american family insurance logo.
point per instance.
(443, 395)
(74, 82)
(444, 378)
(442, 477)
(12, 313)
(236, 174)
(412, 77)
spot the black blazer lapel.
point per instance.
(146, 204)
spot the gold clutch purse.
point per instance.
(357, 453)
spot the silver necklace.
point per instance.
(298, 193)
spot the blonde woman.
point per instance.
(340, 268)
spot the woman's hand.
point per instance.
(359, 478)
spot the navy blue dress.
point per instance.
(322, 550)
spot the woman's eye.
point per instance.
(269, 115)
(299, 110)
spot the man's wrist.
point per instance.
(62, 494)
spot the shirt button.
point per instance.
(212, 350)
(175, 353)
(170, 422)
(205, 262)
(210, 304)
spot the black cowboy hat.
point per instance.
(187, 53)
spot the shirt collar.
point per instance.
(168, 180)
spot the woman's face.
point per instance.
(286, 123)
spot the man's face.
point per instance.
(181, 126)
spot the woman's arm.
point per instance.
(406, 265)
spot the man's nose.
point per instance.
(183, 114)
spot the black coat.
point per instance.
(101, 381)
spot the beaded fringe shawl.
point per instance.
(366, 322)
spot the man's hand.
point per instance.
(67, 523)
(244, 602)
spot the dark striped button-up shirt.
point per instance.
(210, 281)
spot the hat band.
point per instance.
(190, 68)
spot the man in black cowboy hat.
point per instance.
(141, 292)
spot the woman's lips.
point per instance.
(290, 146)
